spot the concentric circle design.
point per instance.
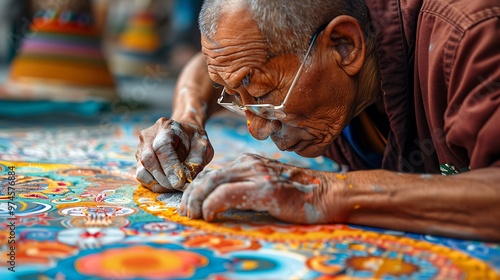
(141, 261)
(266, 264)
(23, 208)
(78, 227)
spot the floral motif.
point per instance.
(153, 261)
(40, 252)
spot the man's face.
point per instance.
(320, 104)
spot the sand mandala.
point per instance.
(86, 222)
(77, 212)
(337, 249)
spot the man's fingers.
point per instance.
(164, 146)
(150, 162)
(185, 197)
(189, 189)
(147, 180)
(199, 189)
(246, 195)
(259, 196)
(202, 186)
(147, 159)
(178, 131)
(157, 188)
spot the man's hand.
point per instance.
(171, 153)
(463, 206)
(252, 182)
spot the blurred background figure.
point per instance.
(144, 31)
(60, 59)
(82, 56)
(138, 48)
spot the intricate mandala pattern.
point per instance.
(338, 249)
(102, 226)
(141, 261)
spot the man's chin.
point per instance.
(310, 152)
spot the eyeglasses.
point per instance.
(266, 111)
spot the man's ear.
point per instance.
(348, 43)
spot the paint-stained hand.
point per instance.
(252, 182)
(171, 153)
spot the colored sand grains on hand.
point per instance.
(341, 176)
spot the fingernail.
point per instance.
(188, 214)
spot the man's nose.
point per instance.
(261, 128)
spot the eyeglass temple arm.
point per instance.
(300, 68)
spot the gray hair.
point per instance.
(287, 25)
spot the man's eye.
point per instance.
(262, 98)
(216, 85)
(246, 81)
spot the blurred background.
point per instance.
(80, 80)
(85, 56)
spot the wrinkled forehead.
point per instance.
(237, 43)
(234, 50)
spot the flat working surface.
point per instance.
(75, 211)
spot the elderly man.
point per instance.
(396, 90)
